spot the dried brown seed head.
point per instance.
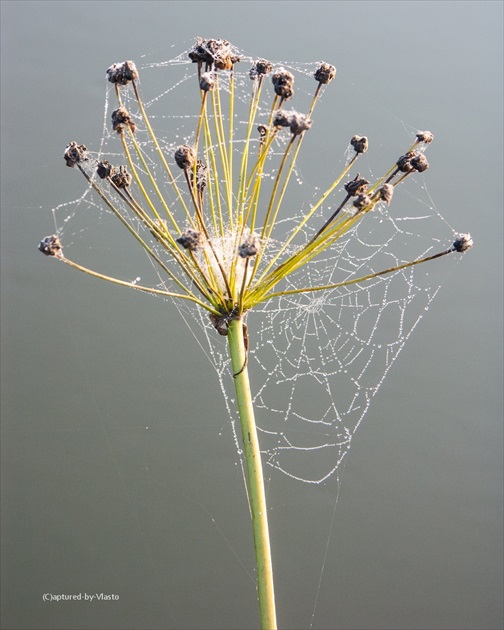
(282, 118)
(299, 123)
(122, 119)
(325, 73)
(51, 246)
(360, 144)
(463, 243)
(220, 51)
(362, 201)
(385, 193)
(191, 240)
(356, 186)
(105, 169)
(263, 130)
(249, 247)
(283, 82)
(260, 68)
(419, 162)
(122, 179)
(404, 162)
(75, 153)
(207, 82)
(122, 73)
(425, 136)
(184, 156)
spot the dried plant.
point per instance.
(217, 234)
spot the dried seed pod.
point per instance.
(325, 73)
(463, 243)
(122, 179)
(75, 153)
(425, 136)
(359, 143)
(419, 162)
(105, 169)
(282, 118)
(207, 82)
(122, 73)
(404, 162)
(260, 68)
(220, 51)
(249, 247)
(356, 186)
(50, 246)
(122, 119)
(299, 123)
(385, 193)
(283, 82)
(263, 130)
(190, 239)
(362, 201)
(184, 156)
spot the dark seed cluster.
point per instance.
(75, 153)
(213, 52)
(121, 119)
(122, 179)
(122, 73)
(50, 246)
(191, 240)
(325, 73)
(249, 247)
(283, 82)
(463, 244)
(184, 156)
(298, 123)
(260, 68)
(360, 144)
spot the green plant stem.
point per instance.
(256, 492)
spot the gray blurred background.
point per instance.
(93, 501)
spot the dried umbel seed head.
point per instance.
(463, 243)
(198, 54)
(122, 179)
(260, 68)
(425, 136)
(357, 186)
(105, 169)
(385, 193)
(50, 246)
(249, 247)
(122, 73)
(283, 82)
(362, 201)
(359, 143)
(299, 123)
(75, 153)
(404, 162)
(184, 156)
(207, 82)
(419, 162)
(191, 240)
(122, 119)
(325, 73)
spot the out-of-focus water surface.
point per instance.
(119, 471)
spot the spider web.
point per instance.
(316, 360)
